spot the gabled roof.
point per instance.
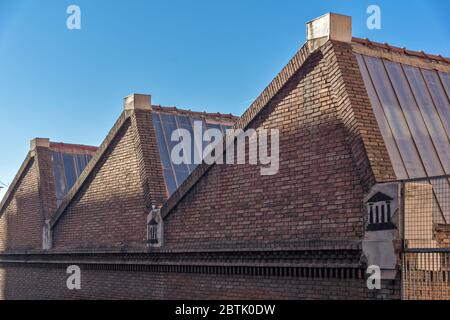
(215, 118)
(56, 147)
(379, 197)
(359, 46)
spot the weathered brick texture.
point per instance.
(30, 203)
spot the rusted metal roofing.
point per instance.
(168, 120)
(69, 161)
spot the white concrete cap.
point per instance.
(330, 26)
(39, 142)
(137, 102)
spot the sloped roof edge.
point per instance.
(90, 167)
(17, 178)
(401, 55)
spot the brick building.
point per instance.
(364, 131)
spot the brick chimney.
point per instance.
(330, 26)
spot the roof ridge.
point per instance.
(405, 51)
(83, 147)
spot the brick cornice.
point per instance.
(304, 245)
(319, 253)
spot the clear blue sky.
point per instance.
(203, 54)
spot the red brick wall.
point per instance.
(316, 194)
(147, 153)
(21, 221)
(47, 282)
(109, 210)
(46, 182)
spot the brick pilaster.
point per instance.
(354, 108)
(46, 181)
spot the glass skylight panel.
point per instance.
(81, 162)
(215, 126)
(67, 167)
(165, 124)
(170, 127)
(225, 128)
(164, 155)
(59, 176)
